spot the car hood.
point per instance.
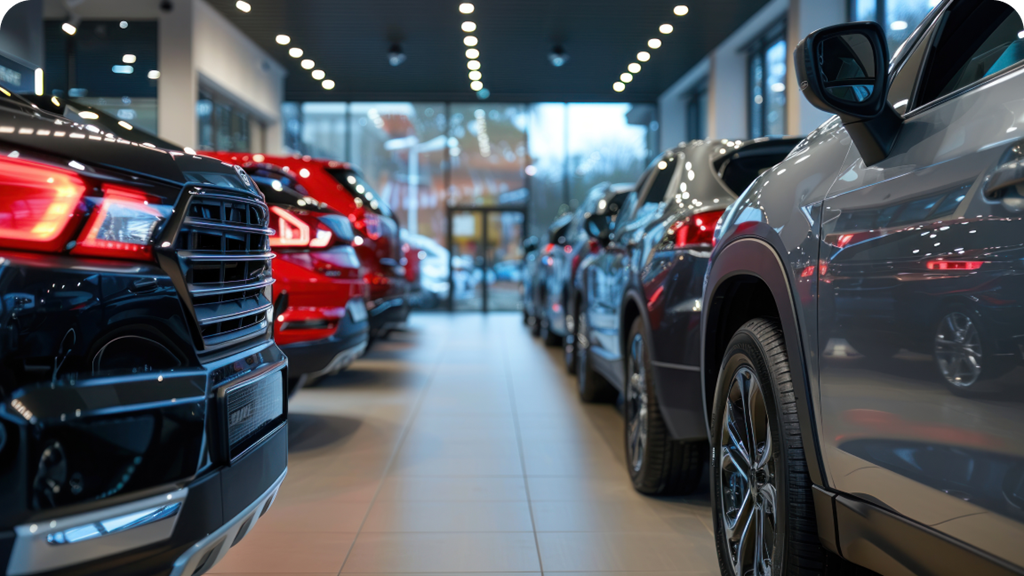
(92, 146)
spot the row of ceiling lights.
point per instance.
(295, 52)
(476, 82)
(644, 56)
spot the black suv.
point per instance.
(142, 401)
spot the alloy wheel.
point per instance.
(747, 478)
(958, 349)
(636, 404)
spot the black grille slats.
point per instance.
(224, 250)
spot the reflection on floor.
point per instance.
(459, 446)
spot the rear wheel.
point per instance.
(592, 387)
(657, 464)
(761, 492)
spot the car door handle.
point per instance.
(1006, 177)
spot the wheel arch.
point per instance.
(750, 271)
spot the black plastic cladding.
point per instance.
(221, 259)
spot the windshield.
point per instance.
(364, 195)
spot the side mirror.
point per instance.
(599, 227)
(844, 70)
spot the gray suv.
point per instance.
(863, 335)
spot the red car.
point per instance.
(319, 297)
(377, 242)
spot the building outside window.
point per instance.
(899, 18)
(697, 113)
(768, 57)
(223, 126)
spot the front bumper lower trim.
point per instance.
(204, 554)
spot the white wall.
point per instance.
(726, 71)
(199, 45)
(21, 33)
(231, 63)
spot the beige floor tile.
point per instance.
(268, 552)
(453, 489)
(443, 552)
(316, 515)
(448, 517)
(629, 552)
(584, 488)
(597, 516)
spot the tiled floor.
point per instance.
(460, 446)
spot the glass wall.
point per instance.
(768, 85)
(424, 157)
(111, 65)
(901, 17)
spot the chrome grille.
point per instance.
(224, 250)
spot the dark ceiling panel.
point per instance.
(350, 40)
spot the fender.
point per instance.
(755, 258)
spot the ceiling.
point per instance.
(350, 41)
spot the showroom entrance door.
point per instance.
(486, 272)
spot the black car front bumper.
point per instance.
(216, 510)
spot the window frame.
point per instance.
(913, 43)
(692, 99)
(759, 47)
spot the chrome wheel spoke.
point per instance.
(636, 404)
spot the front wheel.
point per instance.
(761, 493)
(658, 464)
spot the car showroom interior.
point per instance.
(466, 287)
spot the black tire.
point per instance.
(592, 387)
(569, 350)
(534, 325)
(755, 380)
(657, 464)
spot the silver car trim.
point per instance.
(61, 542)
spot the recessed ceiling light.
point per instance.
(283, 39)
(475, 75)
(123, 24)
(665, 28)
(654, 43)
(626, 77)
(319, 75)
(125, 125)
(634, 68)
(618, 86)
(307, 64)
(295, 52)
(469, 26)
(470, 41)
(89, 115)
(328, 84)
(129, 58)
(69, 28)
(473, 64)
(681, 10)
(643, 56)
(472, 53)
(243, 6)
(153, 75)
(466, 8)
(899, 25)
(476, 86)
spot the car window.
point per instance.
(740, 169)
(975, 40)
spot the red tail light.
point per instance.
(38, 205)
(299, 230)
(549, 248)
(698, 231)
(954, 264)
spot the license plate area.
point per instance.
(250, 411)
